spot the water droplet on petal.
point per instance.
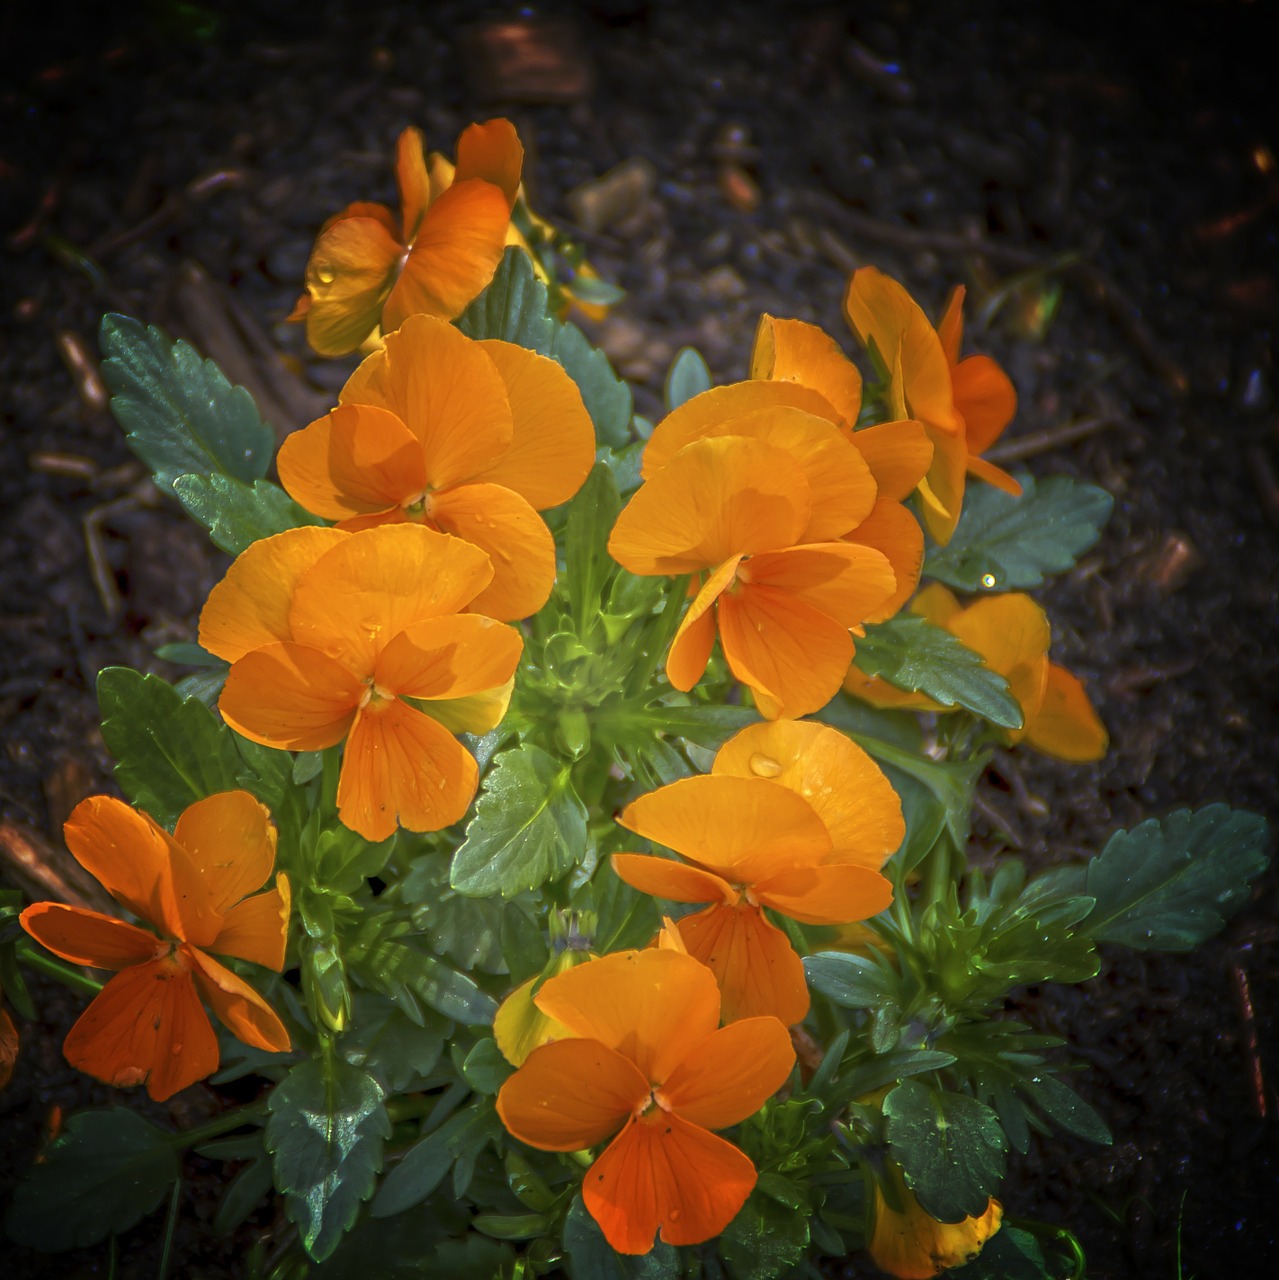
(763, 766)
(988, 580)
(325, 274)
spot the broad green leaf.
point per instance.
(591, 516)
(180, 414)
(913, 654)
(591, 1257)
(382, 1040)
(414, 1246)
(950, 1146)
(765, 1240)
(413, 980)
(1012, 1254)
(625, 465)
(1004, 543)
(688, 377)
(238, 514)
(107, 1171)
(1061, 1103)
(484, 1068)
(524, 944)
(852, 981)
(426, 1164)
(466, 931)
(326, 1131)
(882, 1069)
(529, 827)
(514, 308)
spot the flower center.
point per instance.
(418, 507)
(374, 698)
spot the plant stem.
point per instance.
(67, 974)
(659, 636)
(237, 1117)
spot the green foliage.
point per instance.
(398, 1052)
(591, 1257)
(107, 1171)
(1011, 1254)
(455, 1144)
(416, 981)
(326, 1130)
(1004, 543)
(238, 514)
(687, 377)
(515, 308)
(588, 566)
(766, 1239)
(467, 931)
(250, 1185)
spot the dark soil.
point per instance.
(940, 141)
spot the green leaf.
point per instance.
(524, 945)
(591, 1257)
(1061, 1103)
(180, 414)
(688, 377)
(382, 1040)
(766, 1239)
(950, 1146)
(529, 827)
(427, 1162)
(913, 654)
(106, 1172)
(1004, 543)
(883, 1068)
(326, 1130)
(514, 308)
(413, 979)
(852, 981)
(1012, 1254)
(591, 516)
(1170, 885)
(484, 1069)
(238, 514)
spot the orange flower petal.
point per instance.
(399, 763)
(357, 461)
(845, 580)
(691, 648)
(413, 180)
(349, 277)
(675, 881)
(793, 351)
(1067, 727)
(553, 440)
(898, 454)
(88, 937)
(941, 491)
(242, 1011)
(714, 499)
(492, 152)
(570, 1094)
(892, 531)
(515, 538)
(654, 1007)
(950, 328)
(257, 929)
(986, 398)
(230, 840)
(661, 1171)
(993, 475)
(519, 1027)
(758, 972)
(451, 657)
(936, 603)
(291, 697)
(250, 606)
(827, 894)
(879, 693)
(146, 1026)
(476, 713)
(1011, 633)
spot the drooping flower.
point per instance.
(748, 842)
(369, 269)
(470, 438)
(1012, 634)
(649, 1063)
(147, 1025)
(362, 637)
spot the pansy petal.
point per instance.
(230, 840)
(845, 580)
(1012, 634)
(401, 764)
(898, 455)
(936, 603)
(239, 1007)
(733, 1074)
(674, 881)
(654, 1007)
(879, 693)
(449, 657)
(257, 929)
(794, 351)
(941, 491)
(519, 1026)
(993, 475)
(1067, 727)
(570, 1094)
(88, 937)
(349, 278)
(691, 649)
(662, 1172)
(491, 152)
(892, 531)
(475, 713)
(987, 399)
(826, 894)
(950, 328)
(413, 180)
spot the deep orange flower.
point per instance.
(361, 637)
(368, 269)
(748, 842)
(651, 1063)
(147, 1025)
(470, 438)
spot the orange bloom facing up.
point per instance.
(369, 268)
(360, 637)
(648, 1059)
(147, 1025)
(1012, 634)
(749, 842)
(470, 438)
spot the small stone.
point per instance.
(738, 188)
(618, 194)
(723, 284)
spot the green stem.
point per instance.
(66, 974)
(659, 636)
(236, 1118)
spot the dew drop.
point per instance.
(324, 275)
(763, 766)
(988, 580)
(674, 1215)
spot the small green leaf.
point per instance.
(765, 1240)
(852, 981)
(688, 377)
(382, 1040)
(883, 1068)
(485, 1070)
(413, 979)
(524, 945)
(529, 827)
(1061, 1103)
(1004, 543)
(107, 1171)
(591, 1257)
(1012, 1254)
(427, 1162)
(591, 516)
(913, 654)
(326, 1130)
(238, 514)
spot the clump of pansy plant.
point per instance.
(565, 817)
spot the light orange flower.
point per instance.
(361, 637)
(1012, 634)
(368, 269)
(748, 843)
(651, 1061)
(147, 1025)
(470, 438)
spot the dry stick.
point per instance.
(1045, 441)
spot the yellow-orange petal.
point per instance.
(257, 929)
(675, 881)
(349, 278)
(950, 328)
(450, 657)
(88, 937)
(662, 1172)
(743, 829)
(571, 1094)
(993, 475)
(241, 1010)
(794, 351)
(1067, 727)
(291, 697)
(892, 531)
(1011, 633)
(553, 439)
(715, 499)
(519, 1026)
(936, 603)
(844, 580)
(829, 894)
(250, 606)
(455, 254)
(8, 1047)
(513, 536)
(898, 454)
(758, 972)
(475, 713)
(654, 1007)
(399, 764)
(358, 460)
(911, 1244)
(146, 1026)
(691, 649)
(987, 399)
(491, 152)
(941, 491)
(230, 840)
(413, 180)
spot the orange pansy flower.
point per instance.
(147, 1025)
(648, 1059)
(519, 1026)
(748, 842)
(1012, 634)
(470, 438)
(360, 637)
(369, 269)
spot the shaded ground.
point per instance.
(941, 142)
